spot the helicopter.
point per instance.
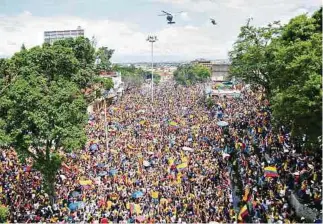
(169, 17)
(213, 21)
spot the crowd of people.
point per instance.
(171, 160)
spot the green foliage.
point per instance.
(42, 107)
(287, 62)
(300, 106)
(83, 50)
(104, 55)
(4, 213)
(157, 78)
(251, 59)
(297, 77)
(134, 77)
(191, 74)
(209, 103)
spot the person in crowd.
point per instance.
(170, 160)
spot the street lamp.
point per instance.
(152, 40)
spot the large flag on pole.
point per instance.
(271, 171)
(243, 212)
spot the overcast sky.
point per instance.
(124, 25)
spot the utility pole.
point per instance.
(152, 40)
(105, 123)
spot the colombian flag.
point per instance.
(182, 166)
(243, 212)
(247, 195)
(271, 171)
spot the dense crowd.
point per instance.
(171, 160)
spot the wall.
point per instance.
(219, 71)
(301, 210)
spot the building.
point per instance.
(110, 96)
(118, 85)
(203, 62)
(52, 36)
(220, 71)
(219, 68)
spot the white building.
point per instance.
(109, 96)
(118, 85)
(52, 36)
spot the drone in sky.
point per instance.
(169, 16)
(213, 21)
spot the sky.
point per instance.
(124, 25)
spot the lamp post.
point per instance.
(105, 124)
(152, 40)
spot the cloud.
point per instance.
(193, 36)
(182, 42)
(218, 5)
(184, 16)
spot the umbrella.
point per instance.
(113, 172)
(100, 165)
(146, 163)
(181, 166)
(205, 139)
(137, 194)
(103, 173)
(91, 118)
(188, 149)
(75, 194)
(85, 182)
(63, 177)
(94, 147)
(86, 187)
(80, 204)
(73, 206)
(140, 218)
(113, 151)
(222, 123)
(225, 155)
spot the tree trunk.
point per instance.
(49, 185)
(49, 168)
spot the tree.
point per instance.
(82, 48)
(23, 47)
(297, 101)
(191, 74)
(103, 55)
(251, 58)
(287, 62)
(131, 76)
(42, 107)
(132, 80)
(42, 118)
(87, 76)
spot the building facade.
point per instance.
(118, 85)
(219, 68)
(220, 71)
(205, 63)
(110, 96)
(52, 36)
